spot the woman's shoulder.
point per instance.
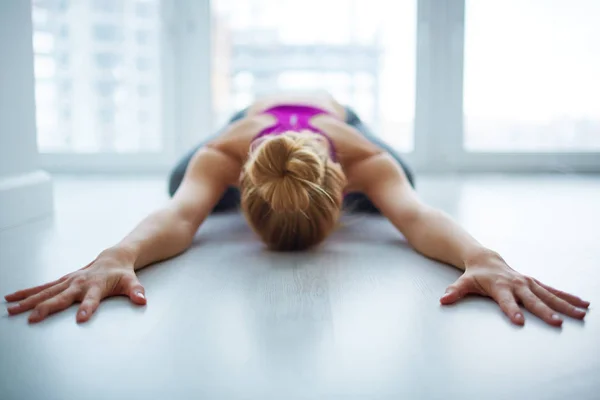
(351, 145)
(235, 138)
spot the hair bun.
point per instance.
(285, 170)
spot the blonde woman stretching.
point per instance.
(293, 164)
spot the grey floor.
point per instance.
(358, 319)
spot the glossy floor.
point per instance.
(357, 319)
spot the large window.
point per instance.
(457, 85)
(360, 51)
(97, 69)
(532, 76)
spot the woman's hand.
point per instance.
(490, 276)
(110, 274)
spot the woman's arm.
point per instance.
(434, 234)
(430, 231)
(169, 231)
(163, 234)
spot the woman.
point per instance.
(293, 164)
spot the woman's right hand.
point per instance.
(110, 274)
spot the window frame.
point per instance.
(451, 38)
(171, 132)
(438, 121)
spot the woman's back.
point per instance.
(347, 145)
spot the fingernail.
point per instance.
(140, 295)
(82, 313)
(12, 308)
(34, 315)
(519, 317)
(555, 317)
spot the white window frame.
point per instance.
(175, 106)
(438, 122)
(449, 45)
(439, 129)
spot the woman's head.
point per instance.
(292, 191)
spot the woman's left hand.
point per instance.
(491, 276)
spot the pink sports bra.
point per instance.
(295, 118)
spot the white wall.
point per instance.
(25, 191)
(17, 125)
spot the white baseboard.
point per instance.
(25, 197)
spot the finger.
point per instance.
(455, 292)
(55, 304)
(556, 302)
(34, 300)
(89, 304)
(23, 294)
(538, 307)
(576, 301)
(134, 289)
(508, 304)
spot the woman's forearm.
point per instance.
(169, 231)
(434, 234)
(161, 235)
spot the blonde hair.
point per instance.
(292, 191)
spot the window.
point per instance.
(65, 87)
(144, 64)
(45, 67)
(43, 42)
(106, 115)
(142, 37)
(54, 5)
(143, 117)
(107, 33)
(108, 6)
(365, 57)
(66, 114)
(501, 84)
(63, 32)
(144, 91)
(106, 88)
(531, 76)
(62, 59)
(87, 89)
(144, 9)
(39, 18)
(107, 60)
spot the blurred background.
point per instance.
(126, 87)
(443, 81)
